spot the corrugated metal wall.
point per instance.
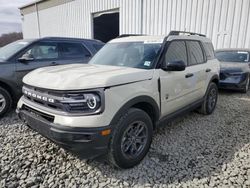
(226, 22)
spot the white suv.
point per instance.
(112, 105)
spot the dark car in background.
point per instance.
(23, 56)
(235, 68)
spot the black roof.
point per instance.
(60, 39)
(67, 38)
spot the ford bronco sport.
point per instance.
(112, 105)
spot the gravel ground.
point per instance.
(193, 151)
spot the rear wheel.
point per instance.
(5, 101)
(131, 139)
(210, 101)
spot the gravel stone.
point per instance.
(192, 151)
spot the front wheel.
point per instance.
(131, 139)
(210, 100)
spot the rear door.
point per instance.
(198, 68)
(40, 54)
(73, 52)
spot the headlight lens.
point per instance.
(92, 101)
(83, 103)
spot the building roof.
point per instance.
(32, 3)
(38, 5)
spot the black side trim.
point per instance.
(180, 112)
(134, 101)
(159, 90)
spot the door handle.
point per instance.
(208, 70)
(189, 75)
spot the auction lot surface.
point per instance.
(193, 151)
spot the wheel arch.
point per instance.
(215, 79)
(8, 88)
(145, 103)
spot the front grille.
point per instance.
(45, 116)
(56, 105)
(67, 101)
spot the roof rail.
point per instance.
(185, 32)
(129, 35)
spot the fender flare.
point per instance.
(140, 99)
(215, 77)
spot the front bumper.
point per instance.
(233, 86)
(85, 142)
(235, 83)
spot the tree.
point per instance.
(10, 37)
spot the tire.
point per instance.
(5, 101)
(210, 101)
(246, 86)
(124, 149)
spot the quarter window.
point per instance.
(176, 52)
(73, 50)
(195, 53)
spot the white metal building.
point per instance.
(226, 22)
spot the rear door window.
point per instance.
(196, 55)
(73, 50)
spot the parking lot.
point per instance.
(194, 150)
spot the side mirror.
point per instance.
(174, 66)
(25, 58)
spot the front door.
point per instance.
(176, 86)
(40, 54)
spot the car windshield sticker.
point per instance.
(158, 41)
(147, 63)
(240, 52)
(23, 42)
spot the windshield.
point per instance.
(7, 51)
(233, 56)
(127, 54)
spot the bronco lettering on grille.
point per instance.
(40, 97)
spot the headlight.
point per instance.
(236, 74)
(89, 103)
(92, 101)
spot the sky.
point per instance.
(10, 18)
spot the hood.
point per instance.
(234, 66)
(84, 76)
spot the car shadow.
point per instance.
(192, 147)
